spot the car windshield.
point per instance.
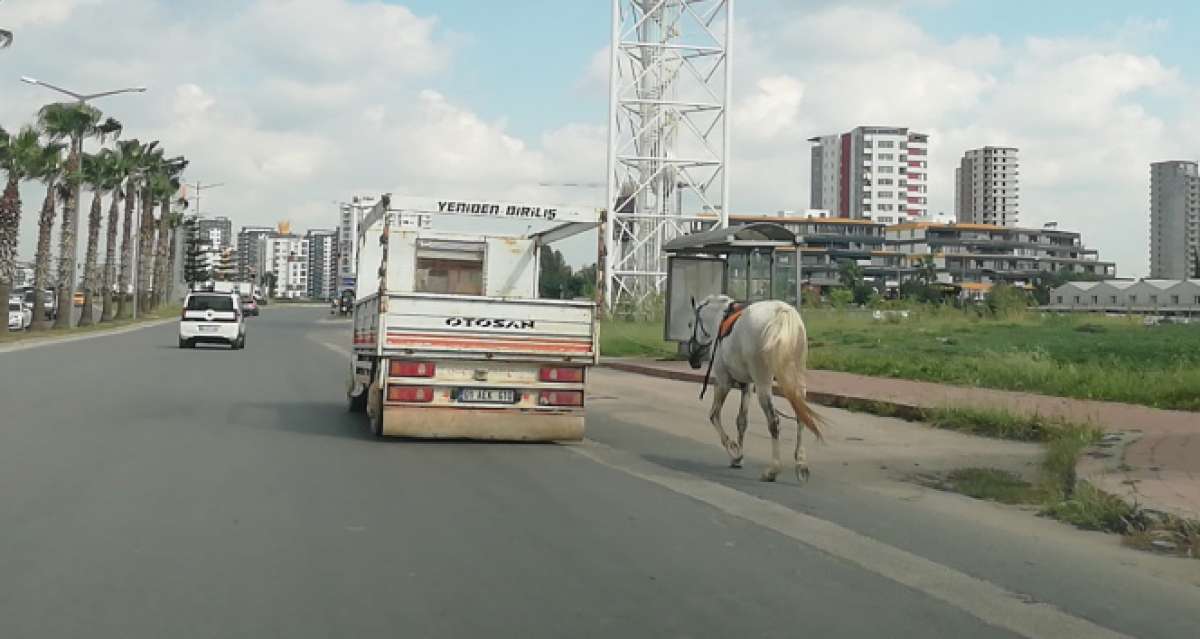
(210, 303)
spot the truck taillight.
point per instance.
(401, 368)
(560, 398)
(410, 394)
(552, 374)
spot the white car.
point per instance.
(19, 317)
(212, 318)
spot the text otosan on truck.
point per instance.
(450, 338)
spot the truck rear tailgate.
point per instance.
(481, 327)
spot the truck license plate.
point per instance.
(487, 395)
(208, 329)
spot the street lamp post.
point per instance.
(67, 288)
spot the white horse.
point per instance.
(766, 344)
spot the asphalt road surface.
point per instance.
(147, 491)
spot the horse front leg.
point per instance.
(743, 419)
(768, 408)
(714, 415)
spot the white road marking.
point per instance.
(341, 350)
(982, 599)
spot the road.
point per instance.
(147, 491)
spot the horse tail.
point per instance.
(785, 345)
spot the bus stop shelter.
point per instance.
(749, 263)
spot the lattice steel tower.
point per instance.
(669, 88)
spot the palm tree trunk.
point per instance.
(89, 260)
(10, 220)
(123, 308)
(110, 257)
(68, 244)
(146, 253)
(172, 249)
(160, 253)
(41, 265)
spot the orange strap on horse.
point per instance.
(726, 326)
(729, 321)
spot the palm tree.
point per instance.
(164, 184)
(49, 169)
(175, 222)
(98, 172)
(113, 177)
(130, 157)
(152, 165)
(72, 121)
(19, 158)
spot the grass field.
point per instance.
(1091, 357)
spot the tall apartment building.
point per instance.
(986, 187)
(216, 231)
(247, 252)
(347, 250)
(322, 267)
(287, 257)
(872, 172)
(1174, 220)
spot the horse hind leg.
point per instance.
(743, 420)
(768, 408)
(714, 416)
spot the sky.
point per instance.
(297, 104)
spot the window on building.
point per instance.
(1153, 299)
(1095, 299)
(1175, 299)
(886, 144)
(1060, 299)
(884, 169)
(886, 156)
(885, 195)
(1133, 299)
(885, 181)
(450, 267)
(1112, 299)
(1076, 299)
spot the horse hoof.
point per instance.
(736, 462)
(802, 474)
(767, 476)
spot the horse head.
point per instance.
(705, 325)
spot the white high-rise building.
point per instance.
(287, 257)
(1174, 220)
(871, 172)
(350, 214)
(321, 264)
(986, 187)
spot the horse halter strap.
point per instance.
(724, 328)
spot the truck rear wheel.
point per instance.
(374, 400)
(357, 403)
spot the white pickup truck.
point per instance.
(450, 338)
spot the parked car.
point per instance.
(19, 317)
(49, 302)
(212, 318)
(249, 307)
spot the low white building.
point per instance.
(1147, 297)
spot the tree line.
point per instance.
(135, 177)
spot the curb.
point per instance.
(35, 342)
(910, 412)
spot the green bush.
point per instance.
(841, 297)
